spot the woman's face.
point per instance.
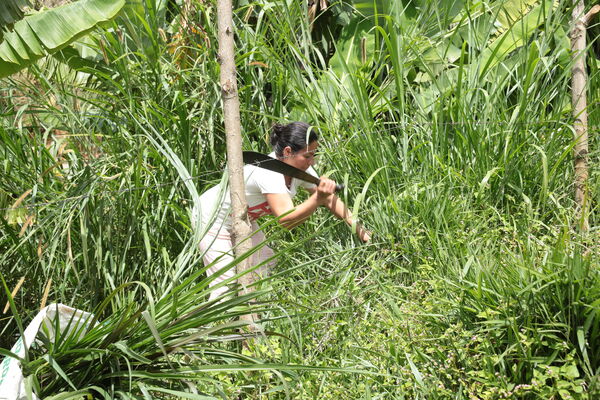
(301, 159)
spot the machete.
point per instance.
(273, 164)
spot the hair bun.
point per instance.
(276, 134)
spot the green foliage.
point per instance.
(452, 134)
(10, 13)
(46, 32)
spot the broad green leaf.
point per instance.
(354, 48)
(571, 371)
(11, 12)
(497, 52)
(513, 10)
(70, 56)
(46, 32)
(369, 8)
(513, 38)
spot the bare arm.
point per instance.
(341, 211)
(281, 203)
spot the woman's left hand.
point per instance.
(363, 234)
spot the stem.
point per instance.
(241, 228)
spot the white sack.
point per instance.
(12, 381)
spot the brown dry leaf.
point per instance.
(20, 199)
(312, 12)
(69, 249)
(46, 292)
(258, 63)
(162, 34)
(27, 224)
(13, 294)
(40, 248)
(104, 54)
(61, 149)
(249, 13)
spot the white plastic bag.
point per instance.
(12, 381)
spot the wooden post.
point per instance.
(241, 228)
(579, 103)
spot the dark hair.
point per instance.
(297, 135)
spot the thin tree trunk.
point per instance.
(579, 101)
(241, 228)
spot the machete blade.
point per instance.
(272, 164)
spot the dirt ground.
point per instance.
(50, 3)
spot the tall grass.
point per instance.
(475, 196)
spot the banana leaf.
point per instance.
(512, 11)
(369, 8)
(48, 31)
(516, 36)
(355, 47)
(11, 12)
(499, 48)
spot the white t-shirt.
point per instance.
(259, 182)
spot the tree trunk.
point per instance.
(241, 228)
(579, 101)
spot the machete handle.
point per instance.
(338, 187)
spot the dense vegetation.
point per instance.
(451, 127)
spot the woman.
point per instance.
(269, 193)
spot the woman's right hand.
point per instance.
(325, 191)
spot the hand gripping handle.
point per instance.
(338, 187)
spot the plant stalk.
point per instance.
(579, 102)
(241, 228)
